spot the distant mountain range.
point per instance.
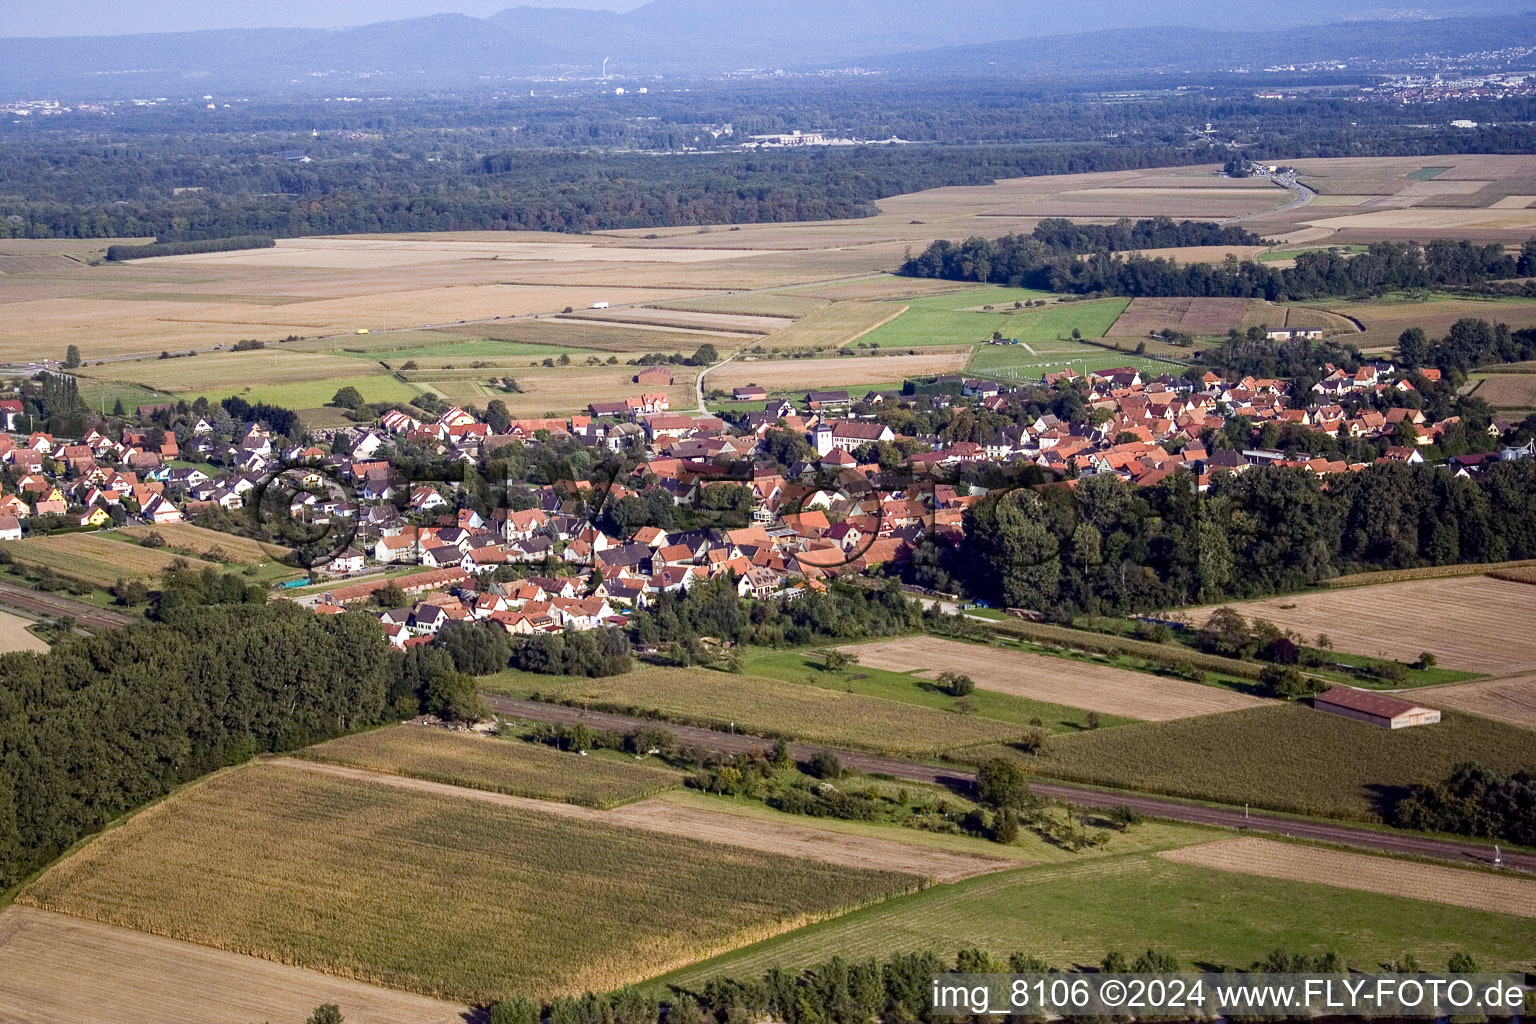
(710, 36)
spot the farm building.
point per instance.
(1375, 708)
(656, 375)
(1292, 333)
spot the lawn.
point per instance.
(315, 393)
(1074, 914)
(753, 704)
(943, 320)
(497, 765)
(1284, 757)
(456, 898)
(806, 667)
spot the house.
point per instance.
(349, 561)
(1373, 708)
(10, 528)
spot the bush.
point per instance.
(824, 765)
(956, 685)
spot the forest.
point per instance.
(1106, 546)
(101, 725)
(1054, 264)
(592, 161)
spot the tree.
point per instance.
(1426, 661)
(453, 696)
(329, 1013)
(390, 596)
(152, 539)
(497, 416)
(1000, 783)
(117, 408)
(824, 765)
(704, 355)
(1413, 348)
(347, 398)
(72, 357)
(516, 1010)
(956, 685)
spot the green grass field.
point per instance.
(806, 667)
(1017, 360)
(312, 394)
(1073, 914)
(944, 320)
(753, 704)
(501, 766)
(1285, 757)
(454, 898)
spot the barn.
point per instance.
(1375, 708)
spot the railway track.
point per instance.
(1379, 841)
(53, 606)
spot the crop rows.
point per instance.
(94, 560)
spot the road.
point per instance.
(53, 606)
(698, 384)
(1151, 806)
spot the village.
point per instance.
(567, 554)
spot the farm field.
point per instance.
(1070, 914)
(833, 326)
(499, 766)
(766, 707)
(1508, 390)
(64, 970)
(1385, 320)
(777, 304)
(210, 370)
(14, 635)
(1114, 691)
(1191, 316)
(1285, 757)
(1479, 890)
(913, 688)
(565, 389)
(1014, 362)
(462, 353)
(944, 321)
(199, 541)
(667, 817)
(1510, 699)
(875, 289)
(1369, 620)
(691, 320)
(99, 561)
(833, 371)
(313, 394)
(412, 890)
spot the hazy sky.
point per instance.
(116, 17)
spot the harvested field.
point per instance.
(64, 970)
(219, 369)
(352, 252)
(93, 559)
(415, 890)
(1191, 316)
(835, 325)
(1077, 684)
(498, 766)
(1285, 757)
(1508, 390)
(1385, 321)
(847, 371)
(1302, 316)
(574, 334)
(15, 637)
(723, 323)
(883, 289)
(775, 835)
(1454, 619)
(1509, 699)
(567, 389)
(1521, 574)
(1477, 890)
(766, 707)
(187, 537)
(1201, 253)
(776, 304)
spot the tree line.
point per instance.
(118, 253)
(1107, 546)
(1473, 800)
(1054, 264)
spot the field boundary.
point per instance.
(1432, 572)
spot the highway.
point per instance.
(1374, 840)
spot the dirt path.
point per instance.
(656, 815)
(1479, 890)
(63, 970)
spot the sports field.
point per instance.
(1286, 757)
(1073, 914)
(1114, 691)
(499, 766)
(766, 707)
(449, 897)
(93, 559)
